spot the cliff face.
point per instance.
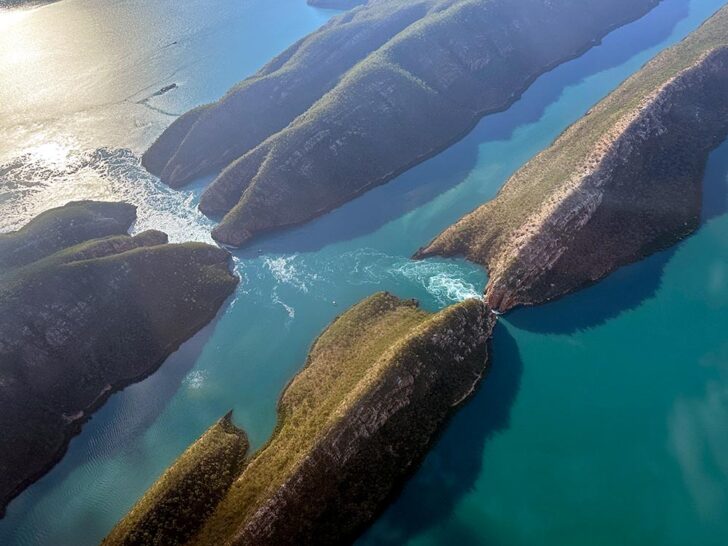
(178, 503)
(620, 184)
(377, 387)
(372, 93)
(355, 465)
(79, 323)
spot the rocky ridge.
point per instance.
(377, 387)
(622, 183)
(373, 92)
(85, 310)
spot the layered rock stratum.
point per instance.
(86, 309)
(377, 387)
(375, 91)
(623, 182)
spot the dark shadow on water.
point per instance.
(424, 182)
(628, 286)
(113, 428)
(715, 185)
(450, 470)
(621, 291)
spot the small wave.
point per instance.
(195, 379)
(447, 288)
(444, 281)
(285, 271)
(289, 310)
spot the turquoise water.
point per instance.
(603, 419)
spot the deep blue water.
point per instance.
(603, 419)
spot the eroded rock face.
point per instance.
(80, 322)
(620, 184)
(346, 478)
(377, 387)
(369, 95)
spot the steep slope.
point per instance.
(179, 502)
(377, 386)
(84, 321)
(623, 182)
(208, 138)
(375, 91)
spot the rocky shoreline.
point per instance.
(314, 129)
(378, 385)
(620, 184)
(85, 310)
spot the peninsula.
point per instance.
(623, 182)
(377, 387)
(375, 91)
(85, 310)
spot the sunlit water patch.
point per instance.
(295, 282)
(52, 175)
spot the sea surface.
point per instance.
(604, 418)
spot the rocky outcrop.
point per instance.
(377, 387)
(80, 322)
(622, 183)
(375, 91)
(187, 493)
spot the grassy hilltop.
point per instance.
(377, 385)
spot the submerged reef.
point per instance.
(377, 387)
(623, 182)
(86, 309)
(375, 91)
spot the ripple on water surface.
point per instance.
(52, 175)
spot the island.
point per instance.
(623, 182)
(375, 91)
(376, 389)
(85, 310)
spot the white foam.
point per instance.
(444, 281)
(284, 271)
(196, 379)
(51, 177)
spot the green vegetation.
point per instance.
(342, 362)
(81, 322)
(372, 93)
(178, 503)
(376, 387)
(61, 228)
(616, 154)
